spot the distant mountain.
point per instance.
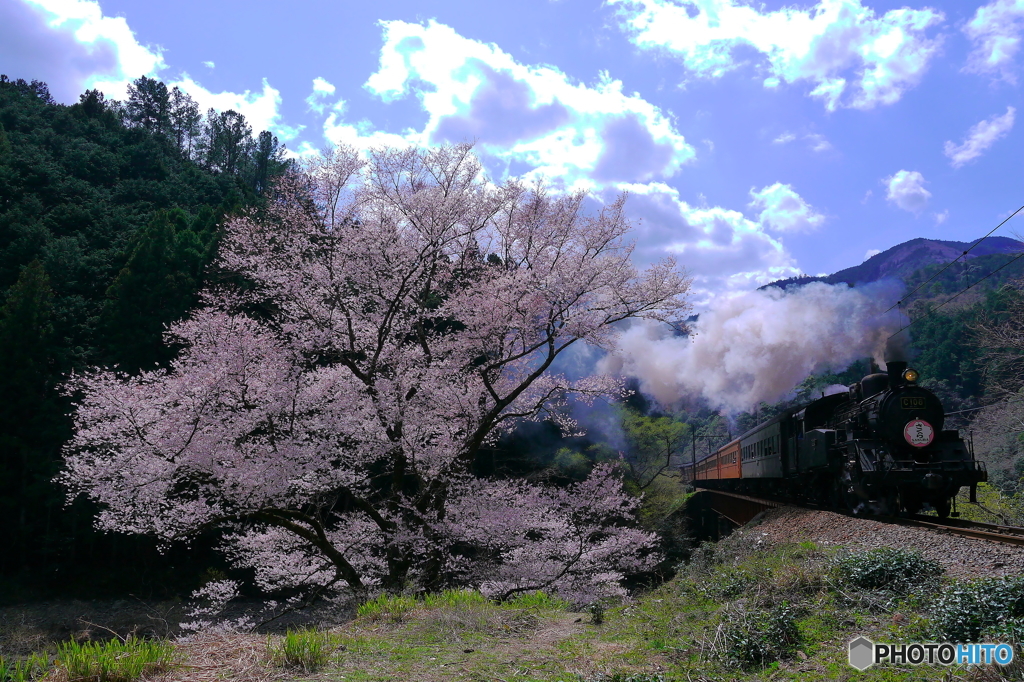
(914, 260)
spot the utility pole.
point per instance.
(693, 432)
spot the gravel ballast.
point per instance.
(961, 557)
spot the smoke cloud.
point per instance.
(758, 346)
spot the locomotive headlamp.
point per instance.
(910, 375)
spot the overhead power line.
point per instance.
(962, 291)
(950, 263)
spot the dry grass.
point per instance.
(485, 620)
(219, 657)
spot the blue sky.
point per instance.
(757, 140)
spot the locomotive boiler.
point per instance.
(879, 447)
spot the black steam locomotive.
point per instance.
(879, 447)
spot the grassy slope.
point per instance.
(790, 606)
(677, 632)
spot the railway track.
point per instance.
(1010, 535)
(977, 530)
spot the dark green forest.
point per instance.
(109, 215)
(109, 221)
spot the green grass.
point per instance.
(387, 607)
(35, 667)
(304, 650)
(114, 661)
(453, 599)
(537, 600)
(737, 611)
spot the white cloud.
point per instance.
(872, 252)
(995, 32)
(818, 142)
(363, 135)
(321, 85)
(980, 137)
(941, 217)
(73, 47)
(534, 119)
(322, 91)
(261, 109)
(723, 249)
(906, 190)
(851, 56)
(209, 65)
(783, 210)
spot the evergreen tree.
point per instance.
(157, 286)
(30, 411)
(149, 105)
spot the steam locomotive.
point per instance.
(878, 448)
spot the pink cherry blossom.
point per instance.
(396, 315)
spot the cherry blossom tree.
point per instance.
(394, 315)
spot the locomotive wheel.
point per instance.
(942, 508)
(911, 505)
(889, 504)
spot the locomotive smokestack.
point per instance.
(895, 369)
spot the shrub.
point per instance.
(114, 661)
(963, 611)
(729, 582)
(305, 650)
(886, 568)
(761, 637)
(702, 559)
(1008, 630)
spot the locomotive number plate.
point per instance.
(912, 403)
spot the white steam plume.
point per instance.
(758, 346)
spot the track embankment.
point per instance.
(962, 557)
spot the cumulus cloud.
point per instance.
(73, 47)
(850, 55)
(941, 217)
(322, 91)
(784, 138)
(980, 137)
(783, 210)
(527, 115)
(261, 109)
(723, 249)
(871, 252)
(995, 34)
(906, 190)
(757, 346)
(209, 65)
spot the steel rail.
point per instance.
(977, 530)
